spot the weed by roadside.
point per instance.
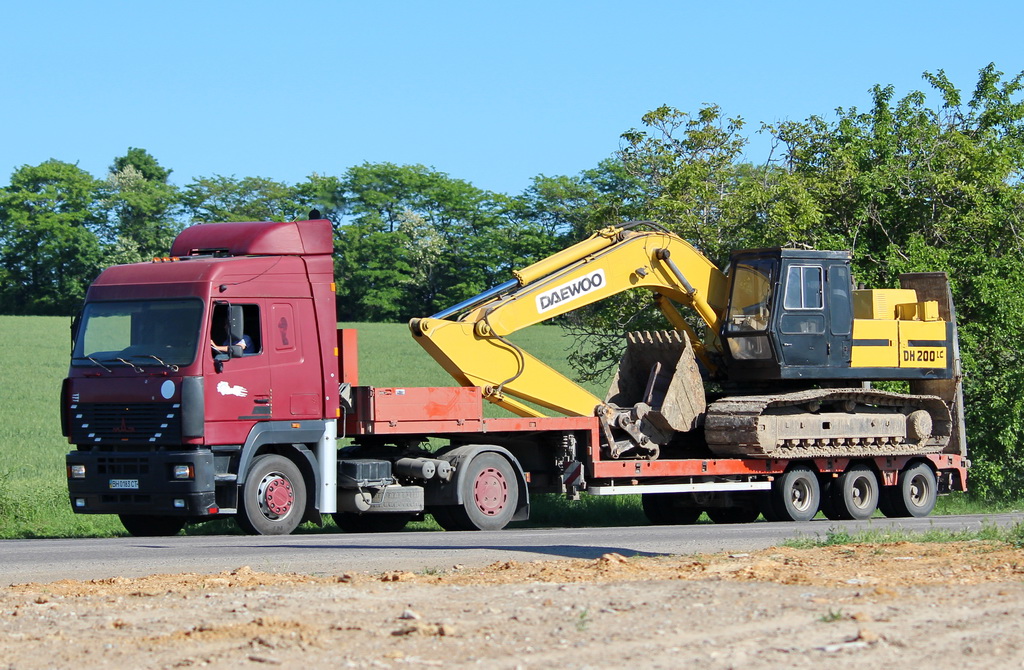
(1012, 535)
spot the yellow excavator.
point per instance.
(784, 368)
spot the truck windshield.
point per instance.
(138, 333)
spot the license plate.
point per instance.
(124, 483)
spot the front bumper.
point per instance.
(143, 483)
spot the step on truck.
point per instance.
(215, 383)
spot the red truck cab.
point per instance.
(186, 367)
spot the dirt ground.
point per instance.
(933, 605)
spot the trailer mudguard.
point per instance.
(450, 493)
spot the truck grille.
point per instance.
(122, 466)
(128, 423)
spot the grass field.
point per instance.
(33, 494)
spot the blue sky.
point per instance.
(494, 93)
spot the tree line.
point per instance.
(930, 181)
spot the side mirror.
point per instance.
(236, 324)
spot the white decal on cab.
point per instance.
(225, 388)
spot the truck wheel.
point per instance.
(747, 514)
(914, 494)
(796, 494)
(444, 517)
(855, 494)
(828, 505)
(669, 509)
(372, 523)
(767, 507)
(150, 525)
(490, 495)
(274, 497)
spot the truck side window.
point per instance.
(252, 329)
(250, 340)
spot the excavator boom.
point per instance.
(469, 339)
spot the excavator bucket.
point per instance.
(659, 370)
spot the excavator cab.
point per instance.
(789, 315)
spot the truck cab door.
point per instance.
(295, 365)
(238, 389)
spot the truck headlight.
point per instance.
(183, 471)
(76, 471)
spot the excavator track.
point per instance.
(827, 423)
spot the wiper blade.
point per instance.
(170, 366)
(96, 362)
(133, 366)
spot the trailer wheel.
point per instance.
(828, 505)
(745, 514)
(914, 495)
(274, 497)
(372, 523)
(669, 509)
(150, 525)
(854, 495)
(796, 494)
(490, 495)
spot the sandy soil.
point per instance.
(934, 606)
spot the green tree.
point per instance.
(50, 218)
(414, 240)
(142, 203)
(568, 209)
(689, 169)
(219, 198)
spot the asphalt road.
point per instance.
(337, 553)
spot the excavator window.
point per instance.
(804, 287)
(750, 302)
(750, 309)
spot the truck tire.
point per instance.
(743, 514)
(796, 494)
(150, 525)
(914, 495)
(372, 523)
(443, 515)
(828, 505)
(855, 494)
(273, 498)
(669, 509)
(490, 495)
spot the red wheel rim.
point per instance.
(275, 496)
(490, 492)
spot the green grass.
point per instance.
(33, 493)
(1012, 535)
